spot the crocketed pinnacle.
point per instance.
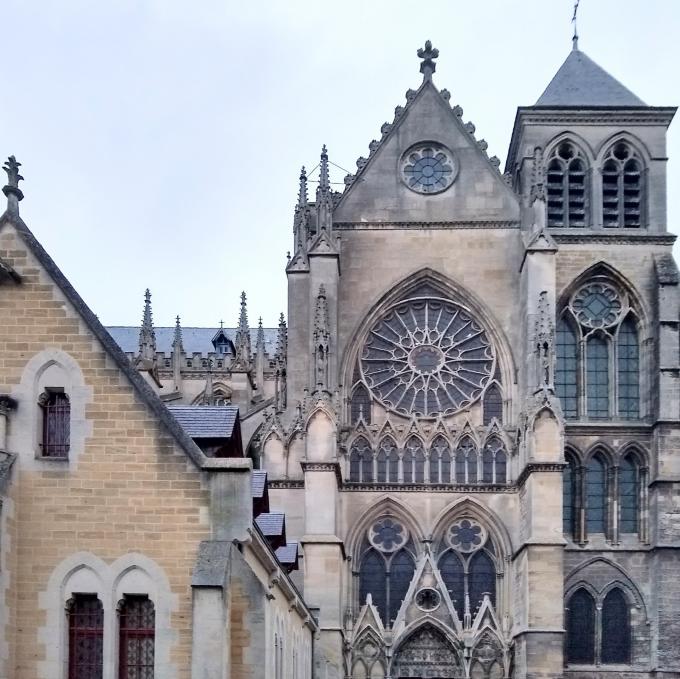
(259, 345)
(177, 339)
(324, 199)
(242, 358)
(147, 335)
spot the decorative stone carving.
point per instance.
(458, 111)
(544, 332)
(470, 128)
(428, 55)
(321, 340)
(410, 95)
(446, 95)
(427, 653)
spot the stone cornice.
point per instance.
(618, 238)
(607, 428)
(353, 486)
(419, 226)
(539, 467)
(323, 467)
(286, 484)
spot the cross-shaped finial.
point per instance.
(427, 67)
(221, 325)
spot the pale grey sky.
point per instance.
(161, 140)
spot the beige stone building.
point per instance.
(465, 440)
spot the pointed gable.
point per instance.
(379, 193)
(581, 82)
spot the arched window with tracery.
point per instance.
(622, 190)
(360, 404)
(467, 564)
(494, 461)
(85, 637)
(361, 461)
(597, 370)
(566, 187)
(492, 405)
(388, 461)
(387, 566)
(466, 461)
(440, 461)
(416, 460)
(580, 624)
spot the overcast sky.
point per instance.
(161, 140)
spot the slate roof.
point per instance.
(258, 483)
(288, 554)
(581, 82)
(206, 422)
(272, 524)
(195, 340)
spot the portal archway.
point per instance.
(427, 653)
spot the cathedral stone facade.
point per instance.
(459, 458)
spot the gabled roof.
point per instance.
(273, 527)
(206, 422)
(139, 384)
(288, 555)
(581, 82)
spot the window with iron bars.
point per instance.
(137, 638)
(86, 637)
(56, 424)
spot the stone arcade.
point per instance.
(466, 435)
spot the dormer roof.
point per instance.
(581, 82)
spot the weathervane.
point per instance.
(427, 68)
(574, 39)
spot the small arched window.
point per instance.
(441, 452)
(566, 187)
(388, 461)
(360, 405)
(596, 494)
(56, 423)
(615, 628)
(581, 628)
(85, 637)
(361, 461)
(629, 491)
(569, 495)
(416, 456)
(482, 579)
(622, 188)
(492, 405)
(628, 358)
(136, 638)
(566, 368)
(466, 461)
(494, 461)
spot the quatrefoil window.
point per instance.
(597, 305)
(428, 168)
(387, 535)
(466, 535)
(427, 357)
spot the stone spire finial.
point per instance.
(574, 39)
(324, 198)
(209, 391)
(11, 189)
(282, 341)
(302, 192)
(242, 358)
(259, 344)
(301, 220)
(280, 357)
(177, 345)
(428, 55)
(146, 360)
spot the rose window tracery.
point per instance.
(427, 357)
(428, 168)
(597, 305)
(467, 535)
(387, 535)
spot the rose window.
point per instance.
(428, 168)
(427, 357)
(597, 305)
(466, 535)
(387, 535)
(427, 599)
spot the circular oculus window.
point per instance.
(428, 599)
(597, 305)
(428, 168)
(427, 357)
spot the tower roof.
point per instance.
(581, 82)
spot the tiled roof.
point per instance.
(258, 482)
(194, 340)
(288, 553)
(272, 524)
(206, 422)
(581, 82)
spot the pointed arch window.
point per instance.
(622, 192)
(361, 461)
(494, 461)
(388, 461)
(466, 461)
(566, 187)
(596, 494)
(629, 494)
(597, 371)
(56, 423)
(453, 574)
(360, 405)
(440, 461)
(581, 628)
(137, 638)
(569, 475)
(86, 637)
(615, 628)
(492, 406)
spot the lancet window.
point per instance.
(566, 187)
(597, 372)
(387, 566)
(622, 190)
(436, 462)
(602, 498)
(598, 629)
(85, 637)
(467, 564)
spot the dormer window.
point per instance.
(622, 188)
(56, 423)
(566, 182)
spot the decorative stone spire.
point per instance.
(177, 345)
(301, 221)
(281, 361)
(282, 342)
(11, 189)
(324, 198)
(321, 340)
(259, 356)
(574, 39)
(242, 358)
(147, 335)
(259, 344)
(428, 55)
(177, 356)
(209, 391)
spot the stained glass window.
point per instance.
(629, 490)
(596, 495)
(401, 573)
(360, 404)
(137, 638)
(407, 465)
(581, 628)
(427, 357)
(354, 464)
(566, 372)
(487, 465)
(366, 465)
(451, 570)
(442, 450)
(361, 461)
(615, 628)
(415, 447)
(428, 168)
(566, 187)
(628, 360)
(389, 449)
(373, 581)
(482, 579)
(597, 377)
(492, 405)
(86, 632)
(381, 461)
